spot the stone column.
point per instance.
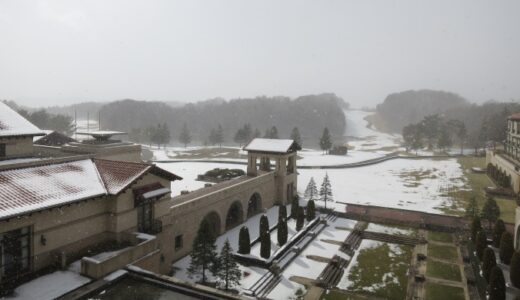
(251, 165)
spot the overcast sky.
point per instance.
(61, 52)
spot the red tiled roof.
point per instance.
(34, 188)
(118, 175)
(515, 116)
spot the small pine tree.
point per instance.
(228, 272)
(265, 237)
(311, 210)
(490, 211)
(472, 209)
(507, 248)
(203, 254)
(244, 241)
(311, 192)
(514, 270)
(326, 191)
(497, 285)
(499, 229)
(325, 141)
(185, 136)
(481, 244)
(296, 137)
(475, 228)
(300, 219)
(282, 231)
(489, 261)
(294, 206)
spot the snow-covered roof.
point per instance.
(34, 188)
(272, 145)
(13, 124)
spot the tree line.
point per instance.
(45, 120)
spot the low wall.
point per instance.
(97, 269)
(404, 217)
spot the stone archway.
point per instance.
(254, 205)
(214, 220)
(235, 215)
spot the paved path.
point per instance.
(338, 166)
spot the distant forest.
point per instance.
(165, 122)
(482, 122)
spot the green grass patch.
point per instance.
(340, 295)
(437, 236)
(436, 291)
(442, 270)
(442, 252)
(475, 185)
(381, 270)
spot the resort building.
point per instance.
(95, 205)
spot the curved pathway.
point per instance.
(358, 164)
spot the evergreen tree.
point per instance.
(248, 133)
(212, 138)
(507, 248)
(311, 192)
(282, 231)
(244, 242)
(499, 229)
(444, 140)
(295, 203)
(265, 237)
(490, 211)
(514, 270)
(274, 133)
(300, 219)
(239, 137)
(296, 137)
(475, 228)
(203, 254)
(228, 272)
(257, 133)
(489, 261)
(325, 141)
(472, 209)
(497, 285)
(481, 244)
(219, 135)
(185, 136)
(326, 191)
(311, 210)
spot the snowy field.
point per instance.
(367, 138)
(409, 184)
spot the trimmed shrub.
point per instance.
(481, 244)
(476, 226)
(282, 231)
(497, 232)
(506, 248)
(300, 219)
(244, 241)
(497, 285)
(311, 210)
(488, 262)
(265, 237)
(294, 206)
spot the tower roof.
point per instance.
(272, 145)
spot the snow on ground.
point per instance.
(401, 183)
(253, 225)
(367, 138)
(305, 267)
(50, 286)
(189, 171)
(390, 229)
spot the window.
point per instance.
(178, 242)
(15, 252)
(145, 217)
(2, 150)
